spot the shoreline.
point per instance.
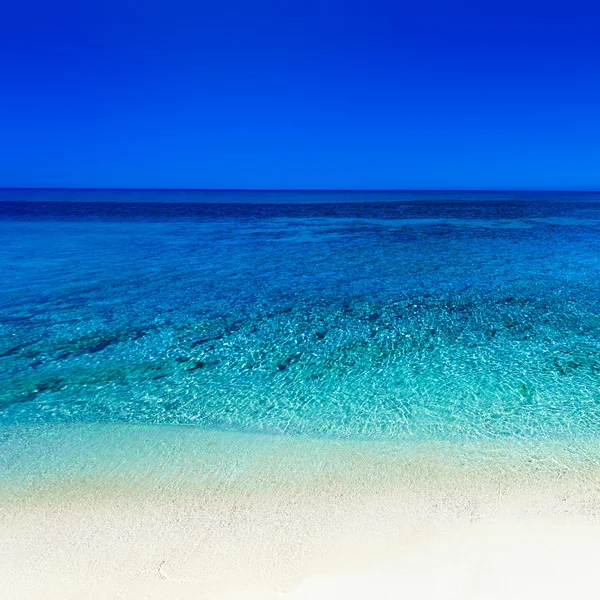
(142, 512)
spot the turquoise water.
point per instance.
(434, 316)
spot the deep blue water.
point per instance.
(413, 315)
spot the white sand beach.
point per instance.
(265, 517)
(491, 560)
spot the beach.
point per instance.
(388, 395)
(143, 512)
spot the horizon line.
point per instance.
(296, 190)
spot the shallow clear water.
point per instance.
(402, 316)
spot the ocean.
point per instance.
(398, 316)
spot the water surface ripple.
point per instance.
(441, 317)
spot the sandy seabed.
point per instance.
(120, 512)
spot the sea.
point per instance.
(403, 317)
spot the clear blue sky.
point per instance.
(300, 94)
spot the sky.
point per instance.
(300, 94)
